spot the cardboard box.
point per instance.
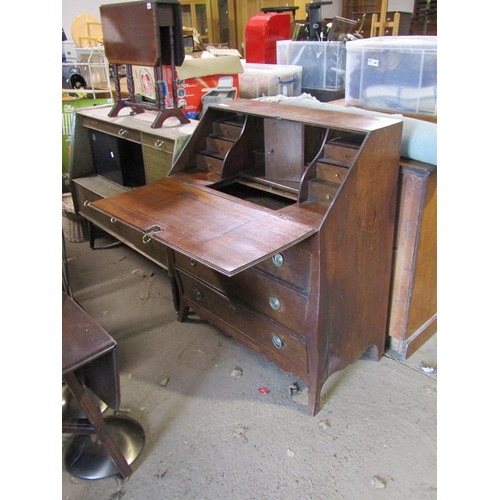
(200, 81)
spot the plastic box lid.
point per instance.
(398, 43)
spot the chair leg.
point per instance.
(98, 424)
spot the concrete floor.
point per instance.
(210, 435)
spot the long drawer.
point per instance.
(258, 290)
(133, 237)
(275, 341)
(112, 129)
(292, 266)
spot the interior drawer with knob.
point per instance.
(210, 163)
(218, 146)
(272, 339)
(254, 288)
(331, 173)
(340, 154)
(227, 129)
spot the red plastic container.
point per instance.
(261, 34)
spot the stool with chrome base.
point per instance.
(101, 446)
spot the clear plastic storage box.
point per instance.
(396, 73)
(323, 63)
(259, 80)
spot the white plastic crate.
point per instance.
(395, 73)
(323, 63)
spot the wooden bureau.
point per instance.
(276, 225)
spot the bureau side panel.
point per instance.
(356, 254)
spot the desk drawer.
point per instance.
(292, 266)
(256, 289)
(275, 341)
(159, 143)
(85, 196)
(112, 129)
(131, 236)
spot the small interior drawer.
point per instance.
(228, 130)
(338, 153)
(205, 162)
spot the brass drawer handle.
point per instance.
(146, 238)
(122, 132)
(198, 294)
(159, 143)
(86, 203)
(192, 262)
(277, 342)
(275, 303)
(112, 220)
(278, 259)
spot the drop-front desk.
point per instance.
(276, 223)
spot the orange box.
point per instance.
(200, 81)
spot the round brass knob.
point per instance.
(275, 303)
(277, 342)
(278, 259)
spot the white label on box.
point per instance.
(372, 62)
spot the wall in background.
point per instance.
(72, 9)
(400, 5)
